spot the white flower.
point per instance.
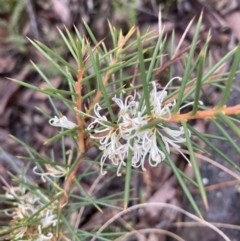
(124, 107)
(62, 122)
(163, 111)
(173, 137)
(20, 232)
(130, 126)
(28, 205)
(14, 192)
(24, 210)
(146, 145)
(56, 171)
(115, 139)
(48, 218)
(42, 237)
(99, 119)
(159, 109)
(114, 150)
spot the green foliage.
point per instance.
(7, 6)
(127, 9)
(15, 9)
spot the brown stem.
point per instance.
(70, 180)
(81, 139)
(79, 107)
(206, 114)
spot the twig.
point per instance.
(33, 21)
(70, 180)
(206, 114)
(162, 205)
(78, 219)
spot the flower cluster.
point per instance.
(28, 205)
(116, 140)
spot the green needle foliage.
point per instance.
(18, 16)
(130, 116)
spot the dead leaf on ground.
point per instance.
(165, 194)
(233, 21)
(54, 81)
(8, 88)
(225, 6)
(63, 12)
(7, 64)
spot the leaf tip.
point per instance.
(205, 202)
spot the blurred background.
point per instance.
(39, 19)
